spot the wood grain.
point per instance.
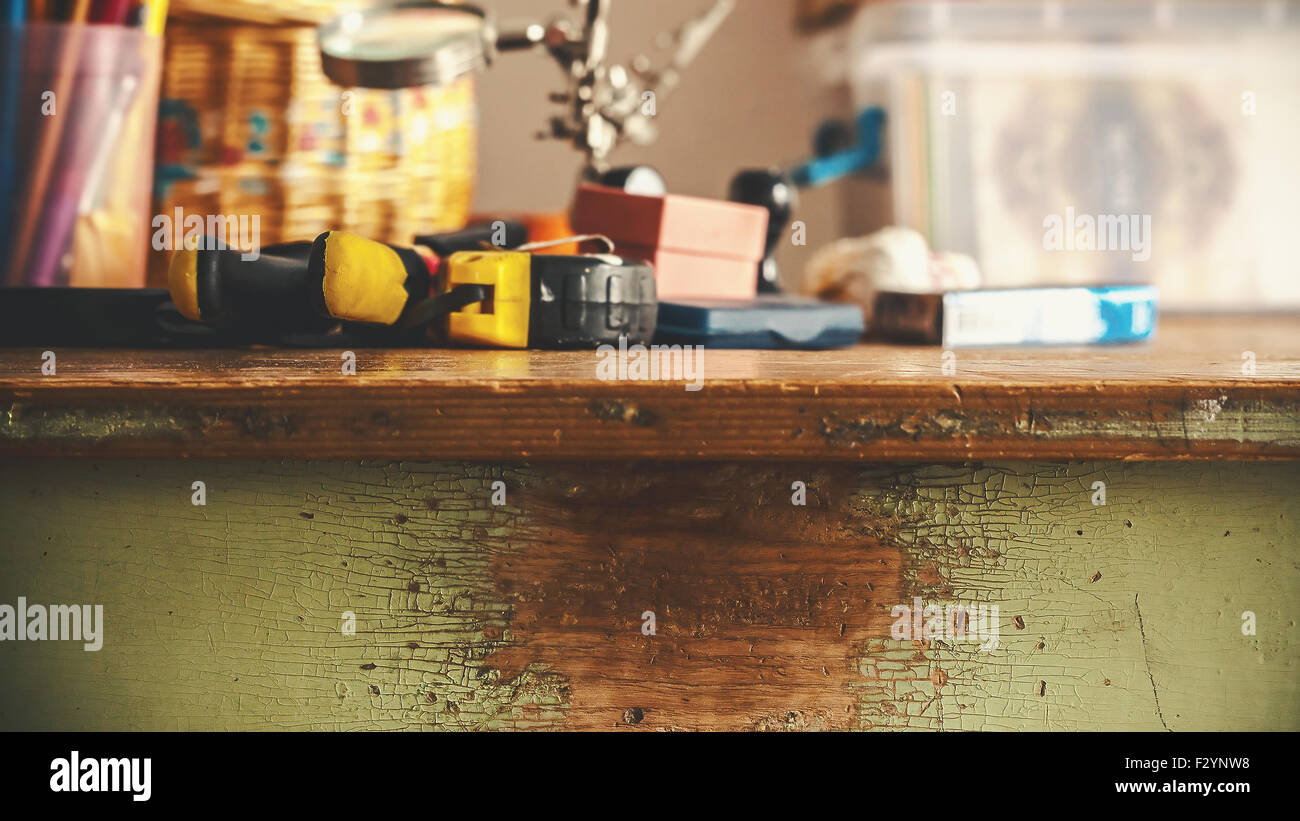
(769, 616)
(1182, 397)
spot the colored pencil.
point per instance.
(102, 88)
(99, 72)
(126, 78)
(155, 17)
(47, 145)
(15, 14)
(111, 12)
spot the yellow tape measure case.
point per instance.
(552, 301)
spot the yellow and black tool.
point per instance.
(491, 298)
(387, 294)
(550, 301)
(221, 288)
(305, 289)
(302, 286)
(501, 299)
(359, 280)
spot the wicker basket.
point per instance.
(249, 125)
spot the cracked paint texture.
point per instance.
(229, 616)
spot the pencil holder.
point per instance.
(78, 105)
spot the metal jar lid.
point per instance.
(405, 45)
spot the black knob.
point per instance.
(833, 137)
(774, 191)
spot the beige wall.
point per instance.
(753, 98)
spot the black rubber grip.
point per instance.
(474, 237)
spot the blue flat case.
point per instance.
(764, 323)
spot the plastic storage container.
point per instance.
(1171, 129)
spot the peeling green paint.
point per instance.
(1137, 604)
(228, 616)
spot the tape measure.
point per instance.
(524, 300)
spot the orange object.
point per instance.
(542, 227)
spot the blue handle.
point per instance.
(821, 170)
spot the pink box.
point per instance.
(700, 248)
(693, 276)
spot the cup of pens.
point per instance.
(78, 103)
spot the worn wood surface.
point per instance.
(769, 616)
(1183, 396)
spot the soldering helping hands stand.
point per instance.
(609, 104)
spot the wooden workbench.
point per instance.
(627, 498)
(1183, 396)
